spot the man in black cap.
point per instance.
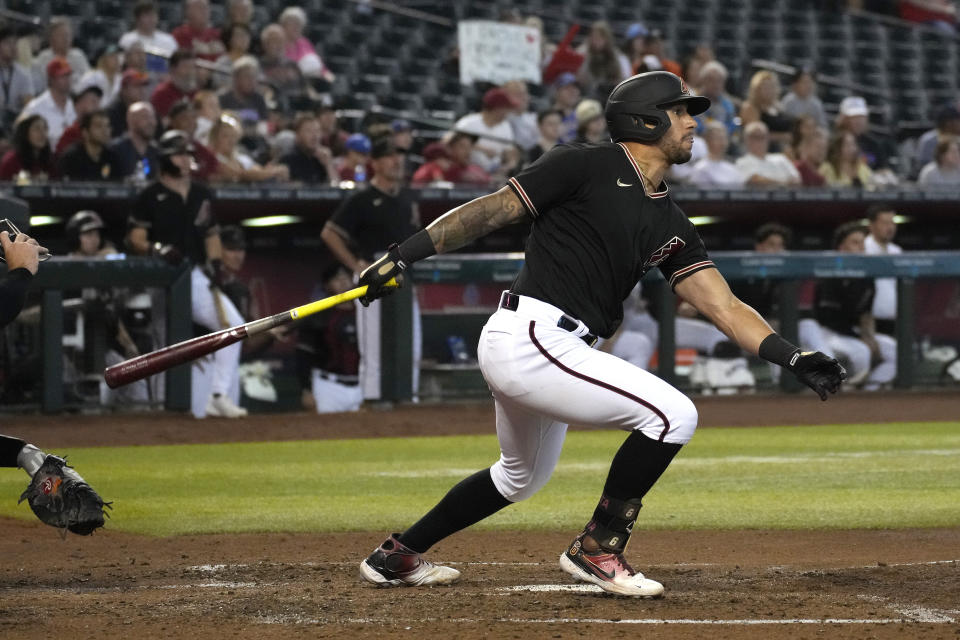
(601, 219)
(174, 215)
(366, 224)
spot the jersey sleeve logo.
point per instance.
(673, 245)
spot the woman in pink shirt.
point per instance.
(299, 48)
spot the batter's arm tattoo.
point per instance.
(475, 219)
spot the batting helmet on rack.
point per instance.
(636, 108)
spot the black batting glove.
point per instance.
(818, 371)
(377, 275)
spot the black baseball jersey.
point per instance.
(372, 220)
(328, 341)
(170, 220)
(838, 303)
(760, 293)
(596, 232)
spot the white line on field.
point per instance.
(294, 619)
(915, 612)
(802, 458)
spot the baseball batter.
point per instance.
(602, 217)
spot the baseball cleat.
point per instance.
(220, 406)
(394, 565)
(609, 571)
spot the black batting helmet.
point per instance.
(81, 222)
(636, 107)
(172, 143)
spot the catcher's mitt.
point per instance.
(60, 497)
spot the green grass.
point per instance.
(847, 476)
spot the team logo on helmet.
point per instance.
(684, 89)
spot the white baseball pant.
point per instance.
(368, 333)
(857, 354)
(331, 396)
(226, 362)
(543, 377)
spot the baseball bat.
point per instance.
(154, 362)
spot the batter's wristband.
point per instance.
(417, 247)
(778, 351)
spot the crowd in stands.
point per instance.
(257, 100)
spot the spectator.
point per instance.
(435, 167)
(761, 168)
(86, 100)
(879, 241)
(654, 58)
(877, 149)
(604, 66)
(549, 122)
(355, 164)
(716, 170)
(845, 166)
(547, 48)
(693, 67)
(298, 49)
(309, 162)
(135, 58)
(183, 117)
(54, 104)
(90, 159)
(60, 39)
(566, 97)
(16, 86)
(235, 166)
(811, 153)
(763, 105)
(802, 98)
(237, 39)
(522, 120)
(135, 154)
(635, 45)
(462, 170)
(401, 134)
(944, 170)
(31, 154)
(591, 124)
(948, 124)
(490, 125)
(240, 12)
(133, 89)
(367, 222)
(281, 74)
(331, 135)
(196, 34)
(207, 106)
(843, 308)
(802, 127)
(242, 96)
(711, 83)
(328, 355)
(178, 213)
(107, 75)
(146, 33)
(181, 84)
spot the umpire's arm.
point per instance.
(709, 292)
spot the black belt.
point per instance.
(511, 301)
(349, 381)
